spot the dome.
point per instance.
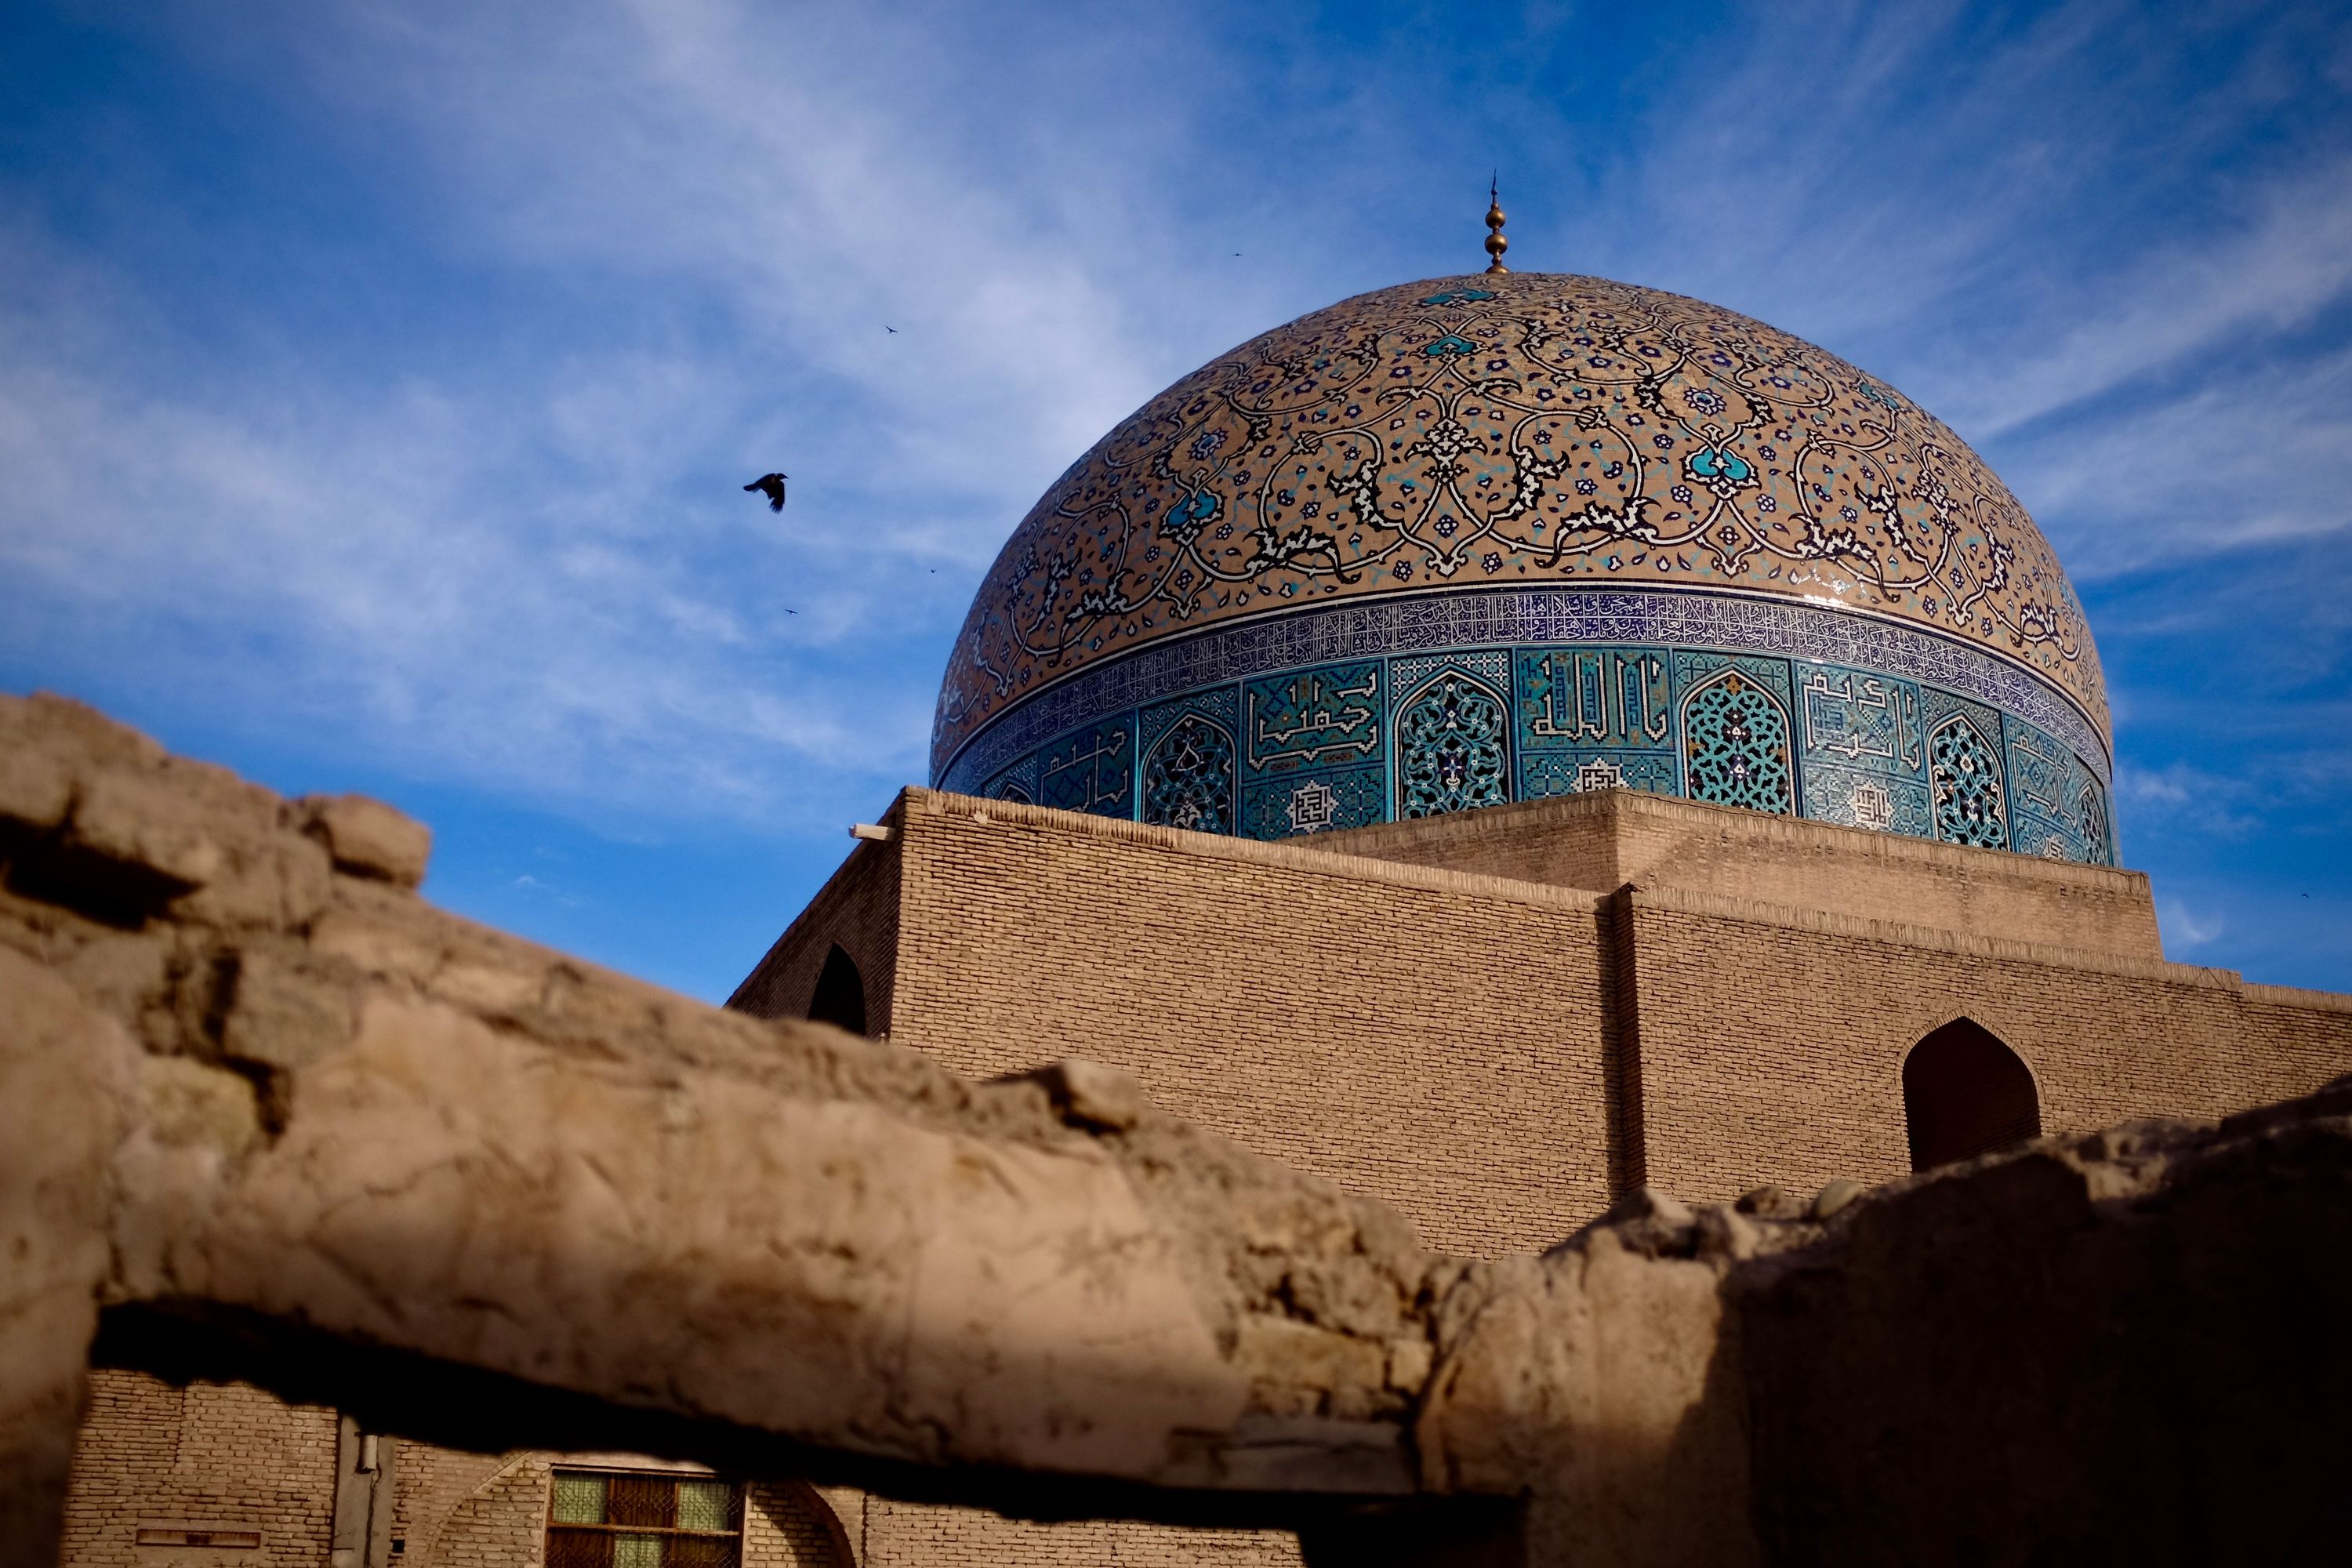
(1503, 536)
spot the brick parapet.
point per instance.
(1613, 836)
(1291, 855)
(1939, 939)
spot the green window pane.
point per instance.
(637, 1552)
(579, 1500)
(705, 1505)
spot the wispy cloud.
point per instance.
(406, 419)
(2185, 930)
(2216, 297)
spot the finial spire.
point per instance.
(1496, 243)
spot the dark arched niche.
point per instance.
(1964, 1094)
(840, 997)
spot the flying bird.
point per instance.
(888, 328)
(772, 486)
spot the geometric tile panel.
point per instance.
(1092, 770)
(2093, 829)
(1862, 797)
(1187, 776)
(1018, 782)
(1220, 704)
(2044, 818)
(1286, 807)
(1543, 773)
(1581, 697)
(1855, 719)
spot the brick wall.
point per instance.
(501, 1522)
(1431, 1038)
(1772, 1040)
(152, 1454)
(789, 1524)
(917, 1535)
(429, 1483)
(858, 910)
(1605, 840)
(475, 1510)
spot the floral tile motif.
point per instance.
(1534, 430)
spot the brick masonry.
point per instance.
(210, 1457)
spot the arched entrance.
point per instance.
(1964, 1094)
(840, 997)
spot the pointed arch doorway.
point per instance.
(1965, 1094)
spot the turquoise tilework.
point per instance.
(1190, 762)
(1332, 716)
(1733, 712)
(1092, 769)
(1573, 699)
(1569, 772)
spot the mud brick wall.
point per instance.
(1604, 841)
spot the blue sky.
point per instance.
(375, 379)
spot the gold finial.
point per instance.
(1496, 243)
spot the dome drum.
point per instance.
(1495, 539)
(1370, 713)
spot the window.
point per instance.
(636, 1518)
(1965, 1094)
(840, 997)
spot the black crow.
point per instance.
(772, 486)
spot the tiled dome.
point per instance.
(1492, 537)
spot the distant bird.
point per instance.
(888, 328)
(772, 486)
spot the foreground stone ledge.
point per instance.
(265, 1113)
